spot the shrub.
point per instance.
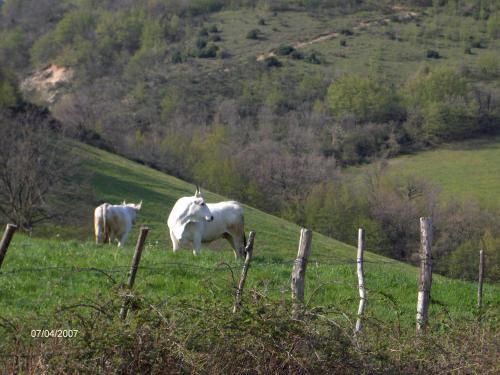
(203, 32)
(441, 98)
(262, 21)
(213, 29)
(488, 66)
(297, 55)
(365, 98)
(343, 43)
(493, 25)
(313, 58)
(253, 34)
(223, 54)
(208, 52)
(201, 42)
(272, 62)
(476, 44)
(346, 32)
(431, 54)
(284, 50)
(178, 57)
(9, 92)
(215, 38)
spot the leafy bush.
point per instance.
(284, 50)
(201, 42)
(254, 34)
(366, 98)
(493, 26)
(203, 32)
(178, 57)
(215, 38)
(297, 55)
(210, 51)
(488, 66)
(272, 62)
(314, 58)
(9, 92)
(441, 97)
(431, 54)
(223, 54)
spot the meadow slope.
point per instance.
(461, 170)
(43, 276)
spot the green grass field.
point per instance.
(463, 170)
(40, 276)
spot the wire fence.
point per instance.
(265, 287)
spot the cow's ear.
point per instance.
(139, 206)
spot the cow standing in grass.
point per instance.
(114, 222)
(192, 221)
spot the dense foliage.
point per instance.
(206, 337)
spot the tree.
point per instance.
(368, 99)
(33, 167)
(440, 97)
(9, 92)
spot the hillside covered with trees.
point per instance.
(269, 101)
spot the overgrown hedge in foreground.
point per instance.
(204, 337)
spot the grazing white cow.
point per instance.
(192, 221)
(114, 222)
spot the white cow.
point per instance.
(114, 222)
(192, 221)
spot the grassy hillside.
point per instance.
(40, 276)
(462, 170)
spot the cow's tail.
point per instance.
(244, 236)
(96, 227)
(105, 231)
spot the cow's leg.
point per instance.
(237, 241)
(123, 238)
(229, 237)
(112, 237)
(98, 234)
(175, 243)
(197, 244)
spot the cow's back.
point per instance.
(227, 216)
(119, 218)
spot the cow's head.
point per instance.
(134, 206)
(197, 210)
(132, 209)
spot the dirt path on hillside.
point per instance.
(402, 15)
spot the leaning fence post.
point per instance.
(299, 270)
(7, 237)
(361, 278)
(480, 281)
(424, 291)
(133, 268)
(244, 271)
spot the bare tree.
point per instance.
(32, 167)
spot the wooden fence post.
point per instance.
(7, 237)
(480, 281)
(244, 271)
(133, 268)
(424, 291)
(299, 270)
(361, 278)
